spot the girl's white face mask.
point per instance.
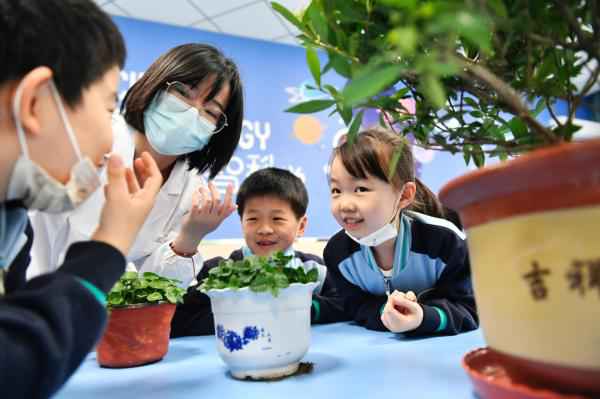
(31, 184)
(385, 233)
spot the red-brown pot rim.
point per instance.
(531, 169)
(140, 305)
(512, 388)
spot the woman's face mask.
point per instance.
(31, 184)
(174, 127)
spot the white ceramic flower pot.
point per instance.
(260, 336)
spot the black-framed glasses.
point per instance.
(189, 97)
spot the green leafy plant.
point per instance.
(260, 274)
(480, 72)
(134, 288)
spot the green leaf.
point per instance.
(382, 122)
(115, 298)
(442, 69)
(172, 297)
(310, 107)
(405, 4)
(141, 293)
(118, 287)
(140, 284)
(355, 126)
(478, 156)
(287, 14)
(154, 297)
(434, 91)
(539, 107)
(405, 38)
(313, 275)
(151, 276)
(467, 153)
(312, 59)
(396, 156)
(160, 285)
(474, 28)
(471, 102)
(370, 84)
(345, 113)
(129, 276)
(503, 155)
(517, 127)
(235, 282)
(340, 64)
(281, 281)
(498, 7)
(314, 17)
(567, 131)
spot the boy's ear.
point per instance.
(302, 226)
(34, 88)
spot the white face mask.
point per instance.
(37, 189)
(387, 232)
(174, 127)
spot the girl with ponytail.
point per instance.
(397, 263)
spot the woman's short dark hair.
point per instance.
(192, 64)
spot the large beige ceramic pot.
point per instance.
(533, 228)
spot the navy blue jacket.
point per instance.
(431, 259)
(49, 324)
(194, 316)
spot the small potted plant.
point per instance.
(261, 308)
(484, 75)
(140, 307)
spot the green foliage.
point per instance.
(134, 288)
(259, 273)
(480, 72)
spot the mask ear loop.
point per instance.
(397, 211)
(16, 108)
(63, 116)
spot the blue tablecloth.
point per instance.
(350, 362)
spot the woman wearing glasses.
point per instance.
(186, 111)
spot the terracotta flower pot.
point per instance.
(136, 335)
(533, 232)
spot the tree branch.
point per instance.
(511, 99)
(552, 114)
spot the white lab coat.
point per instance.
(53, 233)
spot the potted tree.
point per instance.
(261, 308)
(140, 307)
(484, 74)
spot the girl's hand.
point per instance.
(402, 313)
(206, 214)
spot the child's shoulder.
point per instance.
(422, 224)
(438, 238)
(339, 247)
(304, 257)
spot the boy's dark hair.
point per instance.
(192, 64)
(274, 182)
(74, 38)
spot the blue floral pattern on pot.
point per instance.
(235, 342)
